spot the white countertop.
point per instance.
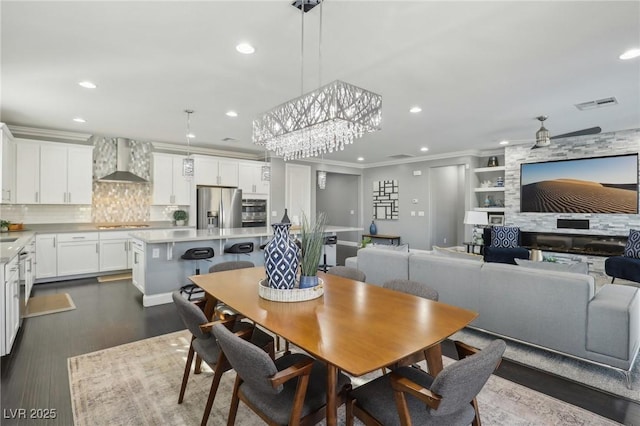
(11, 249)
(179, 235)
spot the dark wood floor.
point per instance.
(35, 374)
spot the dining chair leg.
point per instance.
(185, 375)
(217, 375)
(349, 411)
(233, 408)
(198, 368)
(476, 419)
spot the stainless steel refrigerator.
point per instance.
(219, 207)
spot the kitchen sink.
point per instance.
(7, 240)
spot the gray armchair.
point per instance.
(204, 344)
(288, 391)
(399, 398)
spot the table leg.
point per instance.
(433, 355)
(332, 408)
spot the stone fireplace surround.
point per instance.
(608, 232)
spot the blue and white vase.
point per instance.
(281, 258)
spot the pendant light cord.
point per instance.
(302, 49)
(320, 48)
(189, 112)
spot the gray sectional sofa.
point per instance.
(556, 310)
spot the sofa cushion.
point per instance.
(450, 252)
(402, 247)
(381, 265)
(632, 249)
(505, 236)
(577, 268)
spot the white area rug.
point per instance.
(138, 384)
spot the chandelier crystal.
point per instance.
(319, 122)
(188, 164)
(322, 179)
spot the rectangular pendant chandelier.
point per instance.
(319, 122)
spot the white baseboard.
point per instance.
(156, 299)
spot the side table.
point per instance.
(471, 247)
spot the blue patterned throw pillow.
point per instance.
(632, 249)
(504, 236)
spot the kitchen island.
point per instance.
(158, 268)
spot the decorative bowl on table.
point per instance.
(295, 294)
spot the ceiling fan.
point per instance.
(543, 138)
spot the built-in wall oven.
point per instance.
(254, 212)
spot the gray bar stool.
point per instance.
(196, 254)
(331, 240)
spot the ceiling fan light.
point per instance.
(542, 135)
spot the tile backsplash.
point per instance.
(121, 202)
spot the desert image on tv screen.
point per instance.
(589, 185)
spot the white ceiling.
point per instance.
(481, 71)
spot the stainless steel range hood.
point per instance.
(123, 160)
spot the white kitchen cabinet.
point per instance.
(11, 304)
(65, 174)
(78, 253)
(215, 171)
(137, 270)
(8, 164)
(250, 179)
(27, 172)
(53, 173)
(46, 256)
(114, 251)
(169, 185)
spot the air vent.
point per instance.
(229, 140)
(401, 156)
(597, 103)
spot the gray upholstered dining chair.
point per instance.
(409, 396)
(231, 265)
(221, 308)
(347, 272)
(204, 344)
(288, 391)
(412, 287)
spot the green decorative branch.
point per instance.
(312, 236)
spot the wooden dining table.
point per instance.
(354, 327)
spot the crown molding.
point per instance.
(48, 134)
(182, 149)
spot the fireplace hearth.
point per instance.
(589, 245)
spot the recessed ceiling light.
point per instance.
(630, 54)
(79, 120)
(505, 142)
(360, 158)
(245, 48)
(424, 149)
(191, 135)
(415, 109)
(87, 85)
(232, 114)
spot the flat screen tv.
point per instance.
(584, 185)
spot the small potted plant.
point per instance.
(4, 225)
(180, 216)
(312, 236)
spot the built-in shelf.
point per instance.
(490, 169)
(490, 209)
(490, 189)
